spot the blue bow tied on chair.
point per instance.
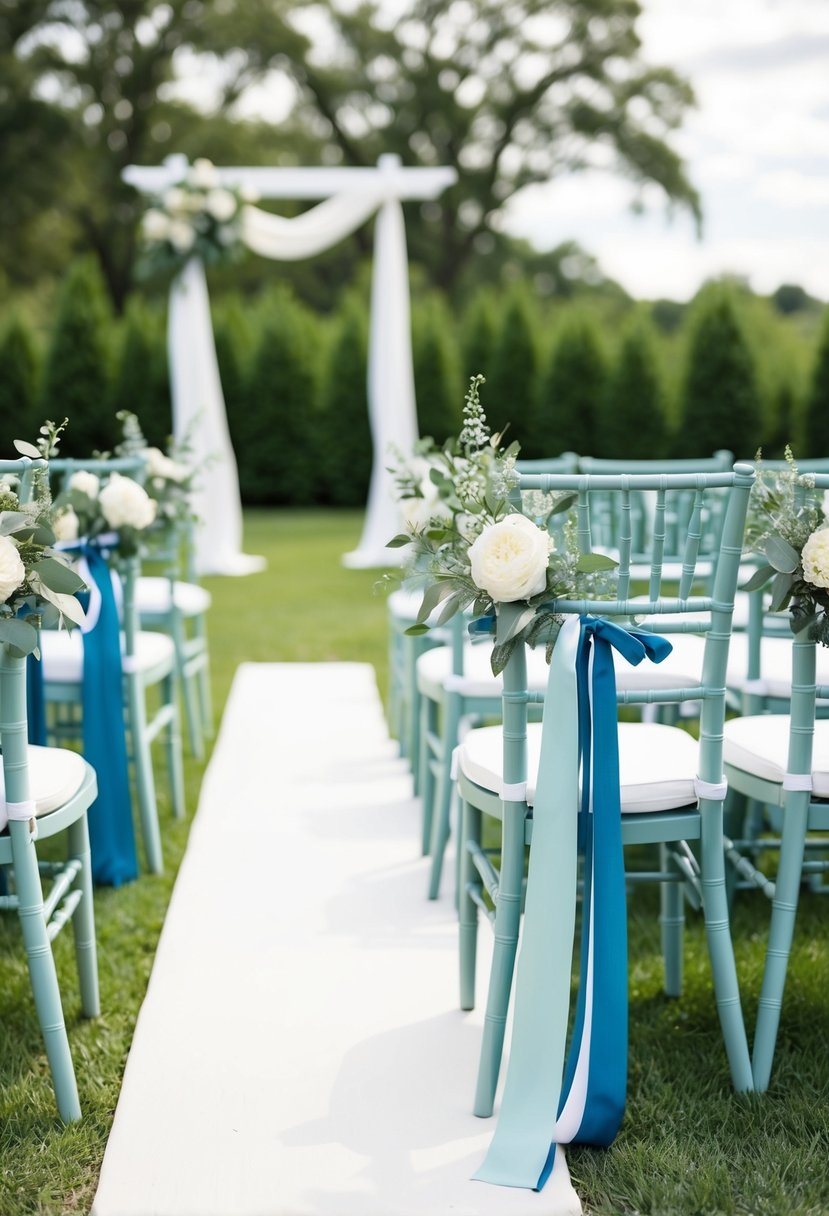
(539, 1109)
(111, 832)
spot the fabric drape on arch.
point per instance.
(198, 403)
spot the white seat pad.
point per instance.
(759, 744)
(55, 775)
(62, 654)
(435, 667)
(775, 665)
(657, 764)
(404, 605)
(152, 597)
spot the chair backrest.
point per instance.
(128, 466)
(567, 462)
(24, 468)
(716, 608)
(666, 517)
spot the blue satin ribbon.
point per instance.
(539, 1110)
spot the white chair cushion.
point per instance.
(775, 665)
(403, 605)
(760, 745)
(62, 654)
(657, 764)
(55, 774)
(152, 596)
(435, 667)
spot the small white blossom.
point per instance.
(12, 570)
(203, 173)
(126, 504)
(85, 483)
(66, 525)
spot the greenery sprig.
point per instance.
(788, 527)
(475, 543)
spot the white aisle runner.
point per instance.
(300, 1050)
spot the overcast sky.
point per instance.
(757, 148)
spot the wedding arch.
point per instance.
(351, 196)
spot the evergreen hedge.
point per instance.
(572, 391)
(18, 387)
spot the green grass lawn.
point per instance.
(688, 1144)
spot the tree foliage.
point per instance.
(343, 434)
(719, 401)
(437, 378)
(572, 390)
(633, 423)
(18, 385)
(817, 404)
(509, 394)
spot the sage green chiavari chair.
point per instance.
(45, 791)
(149, 681)
(455, 685)
(781, 762)
(671, 785)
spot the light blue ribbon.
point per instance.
(538, 1110)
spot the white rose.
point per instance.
(66, 526)
(175, 199)
(12, 570)
(85, 483)
(509, 559)
(161, 466)
(815, 558)
(126, 504)
(203, 173)
(826, 505)
(221, 204)
(155, 226)
(182, 235)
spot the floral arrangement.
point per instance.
(474, 542)
(197, 217)
(37, 586)
(169, 477)
(789, 528)
(90, 506)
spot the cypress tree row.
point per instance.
(276, 430)
(76, 382)
(478, 332)
(719, 401)
(141, 384)
(437, 382)
(633, 423)
(18, 373)
(816, 422)
(508, 396)
(572, 391)
(233, 335)
(344, 432)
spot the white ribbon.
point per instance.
(17, 812)
(797, 782)
(714, 791)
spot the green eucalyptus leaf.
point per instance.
(415, 631)
(452, 605)
(803, 621)
(397, 542)
(17, 632)
(759, 578)
(57, 576)
(564, 504)
(433, 596)
(27, 449)
(12, 522)
(781, 555)
(590, 563)
(781, 590)
(511, 619)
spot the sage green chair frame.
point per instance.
(702, 821)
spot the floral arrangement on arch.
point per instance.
(789, 527)
(37, 585)
(197, 217)
(473, 543)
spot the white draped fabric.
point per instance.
(198, 403)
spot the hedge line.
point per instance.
(568, 377)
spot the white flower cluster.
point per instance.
(161, 468)
(419, 509)
(12, 570)
(126, 504)
(815, 558)
(179, 217)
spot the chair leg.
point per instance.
(205, 696)
(672, 927)
(175, 768)
(144, 780)
(428, 731)
(44, 979)
(445, 785)
(470, 833)
(721, 949)
(507, 918)
(83, 922)
(188, 688)
(781, 932)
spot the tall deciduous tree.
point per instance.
(509, 94)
